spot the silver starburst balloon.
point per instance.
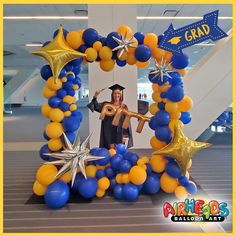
(73, 156)
(161, 70)
(123, 44)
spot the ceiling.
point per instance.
(19, 32)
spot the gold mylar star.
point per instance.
(58, 53)
(181, 148)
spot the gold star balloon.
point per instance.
(58, 53)
(181, 148)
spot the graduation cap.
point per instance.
(116, 86)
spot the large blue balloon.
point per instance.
(130, 192)
(153, 124)
(54, 101)
(191, 187)
(78, 114)
(131, 157)
(173, 169)
(124, 166)
(44, 149)
(71, 123)
(82, 48)
(77, 62)
(65, 32)
(175, 93)
(64, 106)
(57, 194)
(118, 191)
(163, 133)
(180, 61)
(152, 184)
(110, 41)
(70, 136)
(77, 70)
(46, 72)
(162, 118)
(103, 152)
(140, 37)
(109, 172)
(186, 117)
(67, 85)
(143, 53)
(88, 187)
(90, 36)
(115, 161)
(61, 93)
(183, 180)
(103, 41)
(77, 181)
(121, 148)
(71, 92)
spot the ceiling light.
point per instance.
(204, 44)
(179, 17)
(45, 17)
(34, 45)
(195, 52)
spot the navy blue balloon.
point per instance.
(179, 61)
(115, 161)
(67, 85)
(78, 114)
(61, 93)
(130, 192)
(62, 73)
(176, 81)
(143, 53)
(151, 184)
(121, 148)
(163, 95)
(68, 67)
(109, 172)
(183, 180)
(153, 124)
(44, 149)
(149, 168)
(77, 181)
(163, 133)
(77, 70)
(175, 93)
(131, 157)
(139, 187)
(64, 106)
(71, 92)
(70, 77)
(161, 105)
(45, 136)
(118, 191)
(100, 174)
(140, 37)
(65, 32)
(82, 48)
(112, 184)
(110, 41)
(103, 41)
(103, 152)
(70, 136)
(46, 72)
(162, 118)
(71, 123)
(173, 169)
(77, 80)
(54, 101)
(124, 166)
(77, 62)
(57, 194)
(88, 187)
(90, 36)
(120, 63)
(191, 187)
(185, 117)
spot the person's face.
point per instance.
(117, 95)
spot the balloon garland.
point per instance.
(120, 171)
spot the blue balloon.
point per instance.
(162, 118)
(103, 152)
(71, 92)
(67, 85)
(173, 169)
(115, 161)
(179, 61)
(46, 72)
(110, 41)
(139, 187)
(131, 157)
(149, 168)
(90, 36)
(62, 73)
(65, 32)
(112, 184)
(176, 81)
(121, 148)
(61, 93)
(71, 123)
(68, 67)
(130, 192)
(100, 174)
(191, 187)
(44, 149)
(143, 53)
(78, 114)
(175, 93)
(120, 63)
(153, 124)
(76, 70)
(70, 136)
(161, 105)
(88, 187)
(57, 194)
(45, 136)
(163, 133)
(46, 43)
(54, 101)
(124, 166)
(183, 180)
(77, 181)
(185, 117)
(103, 41)
(151, 185)
(140, 37)
(118, 191)
(82, 48)
(77, 62)
(64, 106)
(163, 95)
(109, 172)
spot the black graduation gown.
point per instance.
(109, 133)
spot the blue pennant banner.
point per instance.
(175, 40)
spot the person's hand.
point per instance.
(97, 93)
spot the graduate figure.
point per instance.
(111, 135)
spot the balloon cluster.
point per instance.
(121, 173)
(226, 118)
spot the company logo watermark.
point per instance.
(191, 210)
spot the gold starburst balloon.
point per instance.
(181, 148)
(58, 53)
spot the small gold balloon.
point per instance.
(58, 53)
(181, 148)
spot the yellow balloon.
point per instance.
(181, 192)
(97, 45)
(153, 108)
(73, 107)
(158, 163)
(45, 110)
(168, 56)
(100, 193)
(56, 115)
(112, 152)
(55, 144)
(156, 143)
(140, 64)
(54, 130)
(91, 54)
(64, 79)
(151, 40)
(105, 53)
(103, 183)
(145, 159)
(125, 178)
(47, 93)
(171, 107)
(69, 99)
(164, 87)
(107, 65)
(156, 97)
(185, 104)
(140, 162)
(131, 60)
(158, 53)
(168, 184)
(125, 30)
(67, 113)
(155, 87)
(52, 85)
(39, 189)
(137, 175)
(122, 57)
(74, 39)
(67, 177)
(75, 86)
(119, 178)
(91, 171)
(175, 115)
(46, 174)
